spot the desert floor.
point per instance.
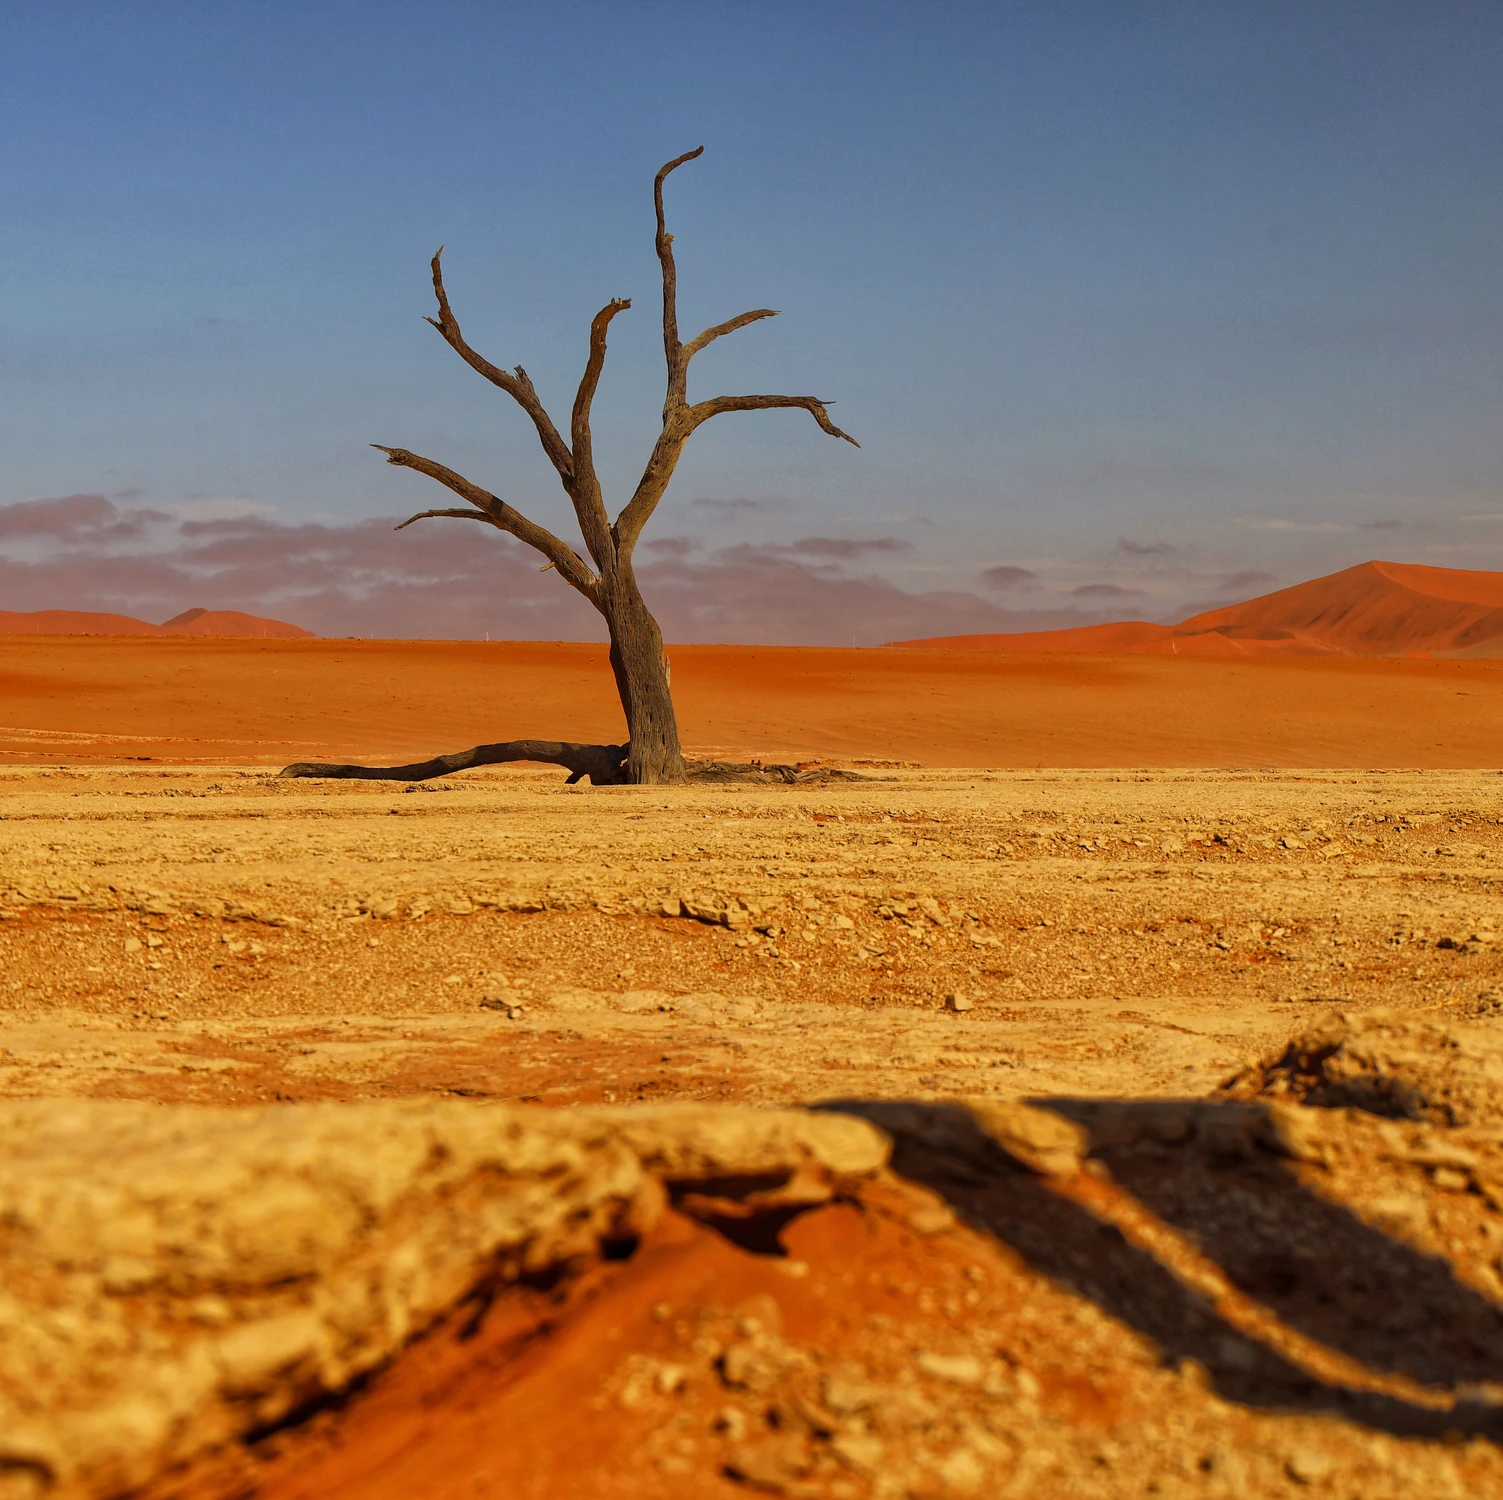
(1199, 1318)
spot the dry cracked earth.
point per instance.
(1179, 1097)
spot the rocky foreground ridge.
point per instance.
(177, 1278)
(1252, 1288)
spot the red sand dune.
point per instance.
(1374, 609)
(216, 622)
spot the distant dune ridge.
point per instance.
(1374, 609)
(210, 622)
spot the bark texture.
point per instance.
(605, 765)
(608, 578)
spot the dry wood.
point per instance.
(653, 752)
(605, 765)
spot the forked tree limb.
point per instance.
(729, 326)
(514, 383)
(501, 515)
(457, 515)
(702, 411)
(605, 765)
(673, 350)
(584, 489)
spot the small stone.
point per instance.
(730, 1420)
(958, 1000)
(1449, 1180)
(748, 1367)
(963, 1471)
(1406, 1213)
(670, 1379)
(861, 1451)
(672, 907)
(846, 1396)
(931, 1218)
(500, 1000)
(1308, 1465)
(771, 1464)
(132, 945)
(958, 1369)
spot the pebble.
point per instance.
(958, 1369)
(958, 1000)
(1308, 1465)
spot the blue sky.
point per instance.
(1185, 301)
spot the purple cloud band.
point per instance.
(453, 580)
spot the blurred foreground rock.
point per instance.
(177, 1278)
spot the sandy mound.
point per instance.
(231, 622)
(1374, 609)
(204, 622)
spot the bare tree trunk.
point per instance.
(641, 668)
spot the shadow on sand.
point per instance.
(1312, 1263)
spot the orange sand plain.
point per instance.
(99, 699)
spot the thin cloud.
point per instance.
(737, 507)
(1383, 525)
(849, 549)
(204, 509)
(1127, 547)
(1249, 578)
(1283, 523)
(447, 579)
(1006, 576)
(74, 519)
(671, 546)
(1105, 591)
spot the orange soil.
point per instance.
(1374, 609)
(391, 701)
(525, 1399)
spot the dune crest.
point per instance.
(208, 622)
(1373, 609)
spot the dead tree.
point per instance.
(608, 580)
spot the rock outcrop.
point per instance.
(177, 1278)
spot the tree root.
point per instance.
(756, 774)
(605, 765)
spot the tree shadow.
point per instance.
(1312, 1262)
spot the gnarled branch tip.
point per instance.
(678, 161)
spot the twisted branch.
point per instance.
(589, 507)
(702, 411)
(515, 383)
(458, 515)
(678, 365)
(563, 557)
(721, 329)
